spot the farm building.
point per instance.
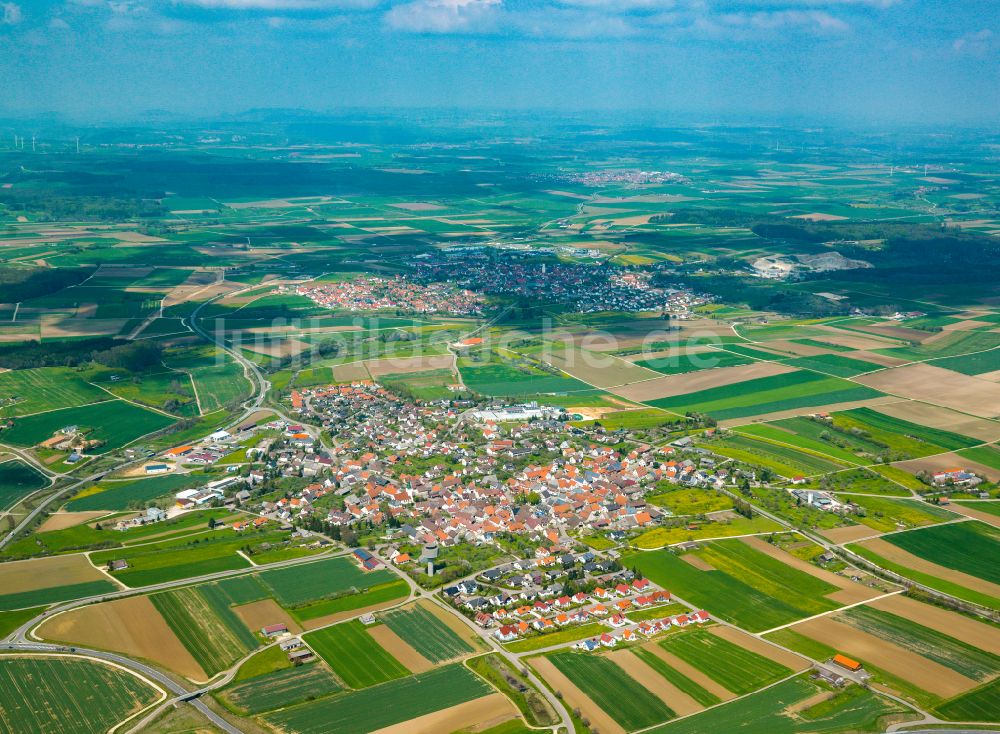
(273, 630)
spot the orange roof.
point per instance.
(846, 662)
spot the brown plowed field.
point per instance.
(130, 626)
(916, 669)
(482, 713)
(43, 573)
(672, 385)
(966, 629)
(400, 649)
(689, 671)
(574, 697)
(938, 386)
(262, 613)
(763, 648)
(947, 420)
(908, 560)
(675, 699)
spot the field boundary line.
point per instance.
(832, 611)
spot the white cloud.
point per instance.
(11, 14)
(977, 43)
(279, 5)
(817, 20)
(444, 16)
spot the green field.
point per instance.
(378, 594)
(934, 582)
(311, 582)
(679, 364)
(971, 364)
(784, 460)
(180, 558)
(734, 668)
(834, 364)
(900, 435)
(63, 695)
(218, 379)
(622, 697)
(885, 513)
(202, 620)
(660, 537)
(979, 704)
(242, 589)
(501, 379)
(18, 479)
(282, 688)
(46, 388)
(853, 710)
(811, 435)
(367, 710)
(682, 501)
(747, 588)
(115, 423)
(53, 594)
(933, 644)
(789, 391)
(677, 679)
(354, 655)
(970, 547)
(986, 455)
(955, 344)
(426, 634)
(121, 495)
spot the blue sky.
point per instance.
(880, 61)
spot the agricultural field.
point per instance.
(689, 501)
(426, 633)
(24, 392)
(364, 711)
(738, 584)
(789, 391)
(814, 436)
(968, 547)
(354, 655)
(683, 362)
(123, 494)
(65, 695)
(886, 514)
(980, 704)
(281, 688)
(933, 644)
(312, 582)
(184, 557)
(836, 365)
(901, 438)
(718, 527)
(735, 668)
(18, 479)
(786, 461)
(330, 610)
(114, 423)
(619, 695)
(500, 378)
(201, 618)
(796, 706)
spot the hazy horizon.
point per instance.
(900, 62)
